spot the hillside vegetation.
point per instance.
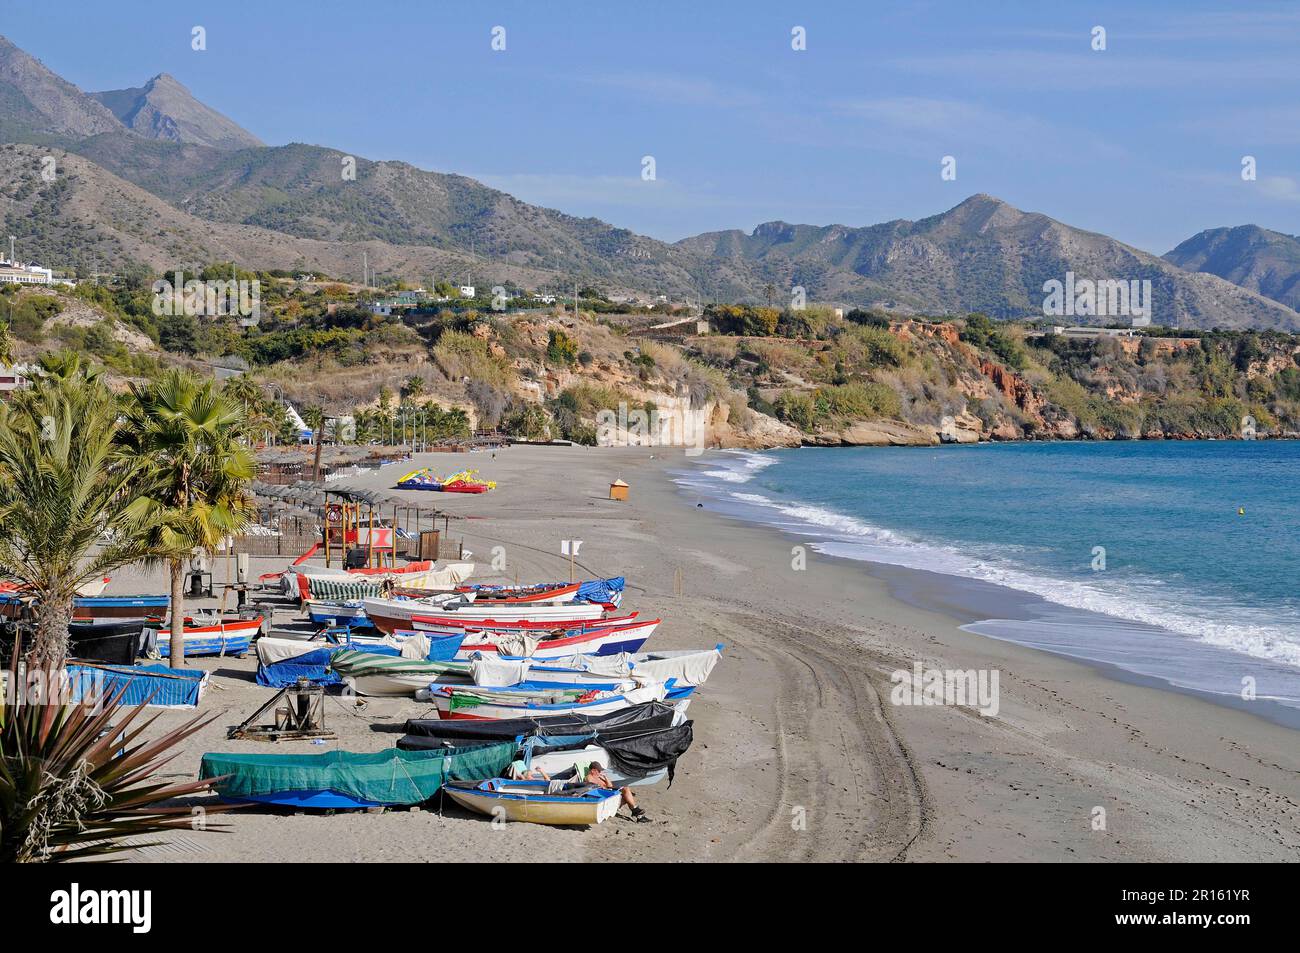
(763, 377)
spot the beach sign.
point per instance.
(569, 547)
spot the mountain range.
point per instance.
(152, 175)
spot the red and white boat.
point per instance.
(455, 702)
(226, 637)
(440, 625)
(547, 593)
(388, 615)
(608, 640)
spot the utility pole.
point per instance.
(11, 250)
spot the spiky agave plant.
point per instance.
(78, 777)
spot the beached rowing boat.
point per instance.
(120, 607)
(348, 779)
(112, 641)
(369, 673)
(350, 613)
(442, 625)
(646, 716)
(634, 754)
(388, 615)
(684, 668)
(455, 702)
(303, 582)
(605, 640)
(690, 667)
(549, 592)
(530, 802)
(155, 685)
(227, 637)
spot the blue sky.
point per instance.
(1143, 141)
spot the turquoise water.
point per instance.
(1128, 553)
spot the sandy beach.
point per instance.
(799, 754)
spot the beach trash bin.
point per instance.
(618, 490)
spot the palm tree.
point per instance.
(248, 393)
(6, 345)
(79, 780)
(193, 491)
(65, 511)
(67, 365)
(314, 417)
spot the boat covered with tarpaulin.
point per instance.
(371, 673)
(632, 755)
(350, 779)
(158, 686)
(648, 716)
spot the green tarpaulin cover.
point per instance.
(394, 776)
(355, 663)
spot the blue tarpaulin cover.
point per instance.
(600, 590)
(159, 685)
(313, 666)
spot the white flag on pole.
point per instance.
(569, 547)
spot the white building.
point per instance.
(12, 377)
(467, 291)
(15, 273)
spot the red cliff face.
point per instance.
(1014, 387)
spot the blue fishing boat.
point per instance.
(120, 607)
(534, 802)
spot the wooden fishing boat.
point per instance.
(302, 582)
(120, 607)
(605, 640)
(227, 637)
(389, 615)
(351, 613)
(636, 754)
(546, 592)
(530, 802)
(689, 667)
(113, 641)
(370, 673)
(644, 717)
(348, 779)
(455, 703)
(442, 625)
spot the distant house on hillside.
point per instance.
(299, 425)
(1086, 332)
(12, 377)
(16, 273)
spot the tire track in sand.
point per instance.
(841, 760)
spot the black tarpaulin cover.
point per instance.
(648, 716)
(645, 753)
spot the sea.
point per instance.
(1172, 563)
